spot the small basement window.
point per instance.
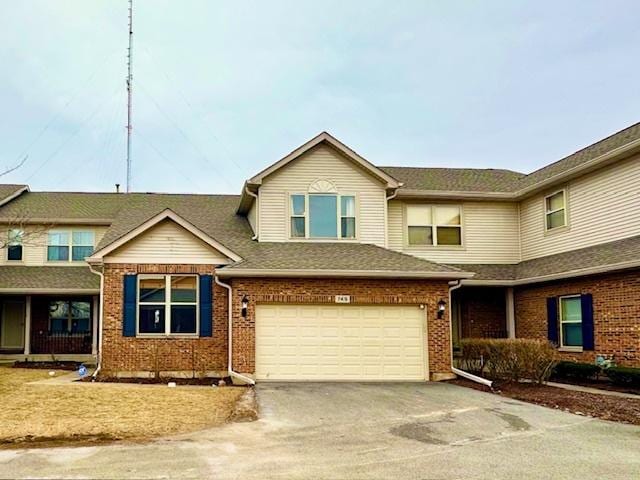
(168, 305)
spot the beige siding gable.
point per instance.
(322, 163)
(166, 242)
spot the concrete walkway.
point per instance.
(380, 431)
(597, 391)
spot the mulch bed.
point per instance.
(602, 384)
(616, 409)
(208, 381)
(49, 365)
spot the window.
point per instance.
(555, 210)
(434, 225)
(168, 304)
(68, 316)
(14, 245)
(319, 215)
(60, 243)
(570, 321)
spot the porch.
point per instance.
(48, 327)
(482, 312)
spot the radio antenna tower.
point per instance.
(129, 82)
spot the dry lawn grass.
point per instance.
(102, 411)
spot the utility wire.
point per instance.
(70, 137)
(59, 112)
(183, 133)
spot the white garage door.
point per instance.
(333, 342)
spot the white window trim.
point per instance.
(167, 306)
(70, 244)
(549, 212)
(434, 227)
(13, 244)
(563, 347)
(70, 316)
(307, 226)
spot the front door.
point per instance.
(12, 331)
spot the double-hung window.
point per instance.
(434, 224)
(555, 210)
(14, 245)
(68, 316)
(323, 215)
(69, 246)
(570, 321)
(168, 304)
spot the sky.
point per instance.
(223, 89)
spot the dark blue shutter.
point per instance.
(129, 308)
(552, 319)
(586, 301)
(206, 306)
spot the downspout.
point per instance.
(469, 376)
(100, 315)
(232, 374)
(255, 237)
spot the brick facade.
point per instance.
(616, 306)
(362, 291)
(127, 356)
(482, 312)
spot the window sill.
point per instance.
(571, 349)
(165, 336)
(556, 230)
(434, 247)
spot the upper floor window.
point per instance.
(434, 224)
(14, 245)
(64, 245)
(168, 304)
(555, 210)
(323, 215)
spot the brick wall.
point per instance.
(362, 291)
(125, 355)
(616, 305)
(482, 312)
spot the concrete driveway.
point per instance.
(426, 431)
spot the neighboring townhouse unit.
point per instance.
(327, 267)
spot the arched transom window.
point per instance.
(322, 212)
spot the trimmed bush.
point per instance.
(577, 370)
(508, 359)
(624, 376)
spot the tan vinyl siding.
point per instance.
(602, 207)
(322, 163)
(490, 234)
(34, 250)
(165, 243)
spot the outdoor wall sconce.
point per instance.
(245, 305)
(441, 305)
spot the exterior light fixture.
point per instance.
(441, 305)
(245, 305)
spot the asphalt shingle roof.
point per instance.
(8, 189)
(64, 205)
(23, 277)
(602, 255)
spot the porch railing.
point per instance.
(61, 343)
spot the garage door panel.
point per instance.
(331, 342)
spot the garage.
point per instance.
(340, 342)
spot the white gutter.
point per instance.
(232, 374)
(250, 193)
(472, 377)
(280, 273)
(100, 321)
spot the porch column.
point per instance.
(94, 326)
(27, 325)
(511, 312)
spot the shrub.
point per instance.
(624, 376)
(581, 371)
(508, 359)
